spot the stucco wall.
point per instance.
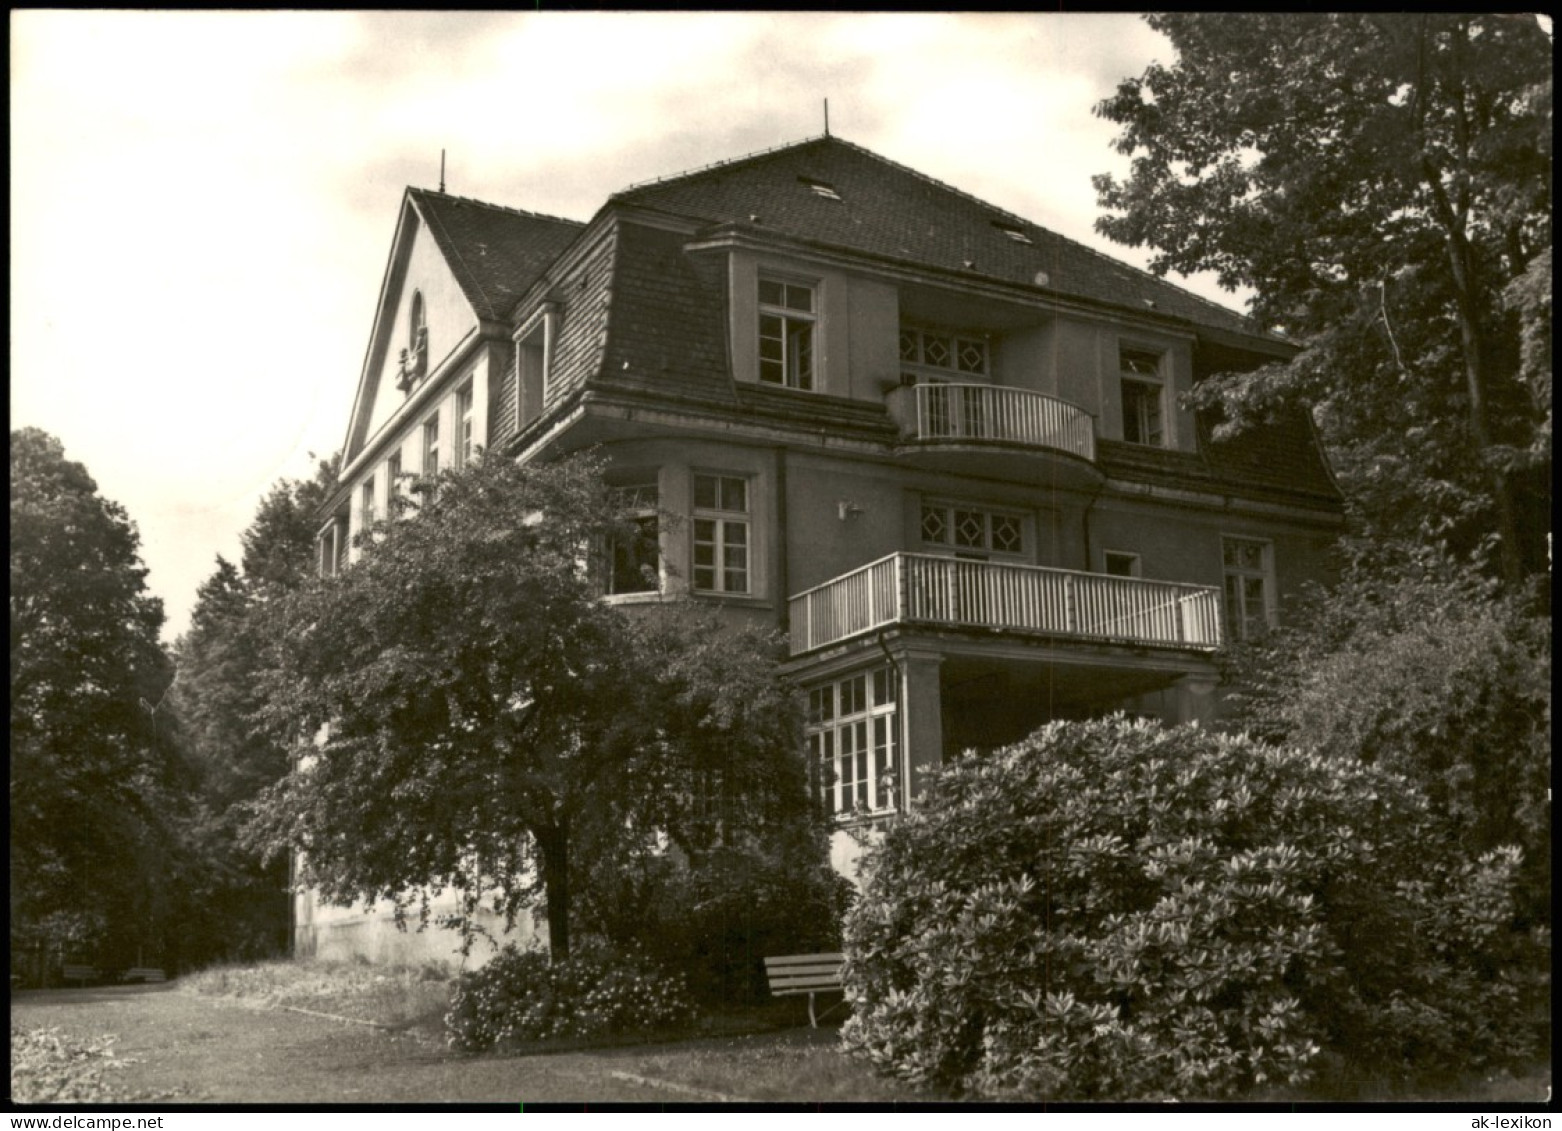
(327, 931)
(447, 314)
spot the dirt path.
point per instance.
(210, 1051)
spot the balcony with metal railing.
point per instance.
(946, 424)
(925, 590)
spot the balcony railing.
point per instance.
(923, 589)
(995, 412)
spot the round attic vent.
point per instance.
(1042, 278)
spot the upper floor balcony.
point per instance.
(953, 426)
(922, 589)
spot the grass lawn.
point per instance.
(398, 998)
(767, 1053)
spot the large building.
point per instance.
(942, 448)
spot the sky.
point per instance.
(203, 203)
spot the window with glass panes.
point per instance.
(935, 358)
(1142, 391)
(786, 334)
(464, 427)
(367, 508)
(721, 534)
(392, 482)
(960, 357)
(633, 564)
(1249, 575)
(971, 531)
(854, 742)
(431, 445)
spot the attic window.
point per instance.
(820, 188)
(1016, 234)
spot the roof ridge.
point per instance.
(523, 212)
(670, 177)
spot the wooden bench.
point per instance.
(805, 974)
(81, 975)
(143, 974)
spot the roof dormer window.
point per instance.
(414, 358)
(820, 188)
(1018, 235)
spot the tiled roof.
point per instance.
(495, 253)
(1279, 460)
(889, 210)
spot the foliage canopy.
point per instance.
(487, 725)
(94, 779)
(1382, 181)
(239, 905)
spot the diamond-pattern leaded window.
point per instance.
(972, 356)
(935, 349)
(1006, 534)
(968, 529)
(971, 529)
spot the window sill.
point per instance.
(649, 597)
(845, 821)
(731, 599)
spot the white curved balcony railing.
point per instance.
(995, 412)
(925, 589)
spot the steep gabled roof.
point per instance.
(495, 253)
(882, 208)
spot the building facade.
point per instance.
(942, 448)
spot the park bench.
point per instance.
(143, 974)
(79, 973)
(805, 974)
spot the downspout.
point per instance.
(783, 588)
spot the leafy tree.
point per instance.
(1383, 184)
(1417, 664)
(279, 545)
(486, 725)
(238, 902)
(95, 780)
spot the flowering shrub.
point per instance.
(520, 996)
(1116, 910)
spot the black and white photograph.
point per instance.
(574, 560)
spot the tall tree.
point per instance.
(241, 906)
(94, 779)
(1380, 181)
(477, 720)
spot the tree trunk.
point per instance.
(1473, 347)
(553, 846)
